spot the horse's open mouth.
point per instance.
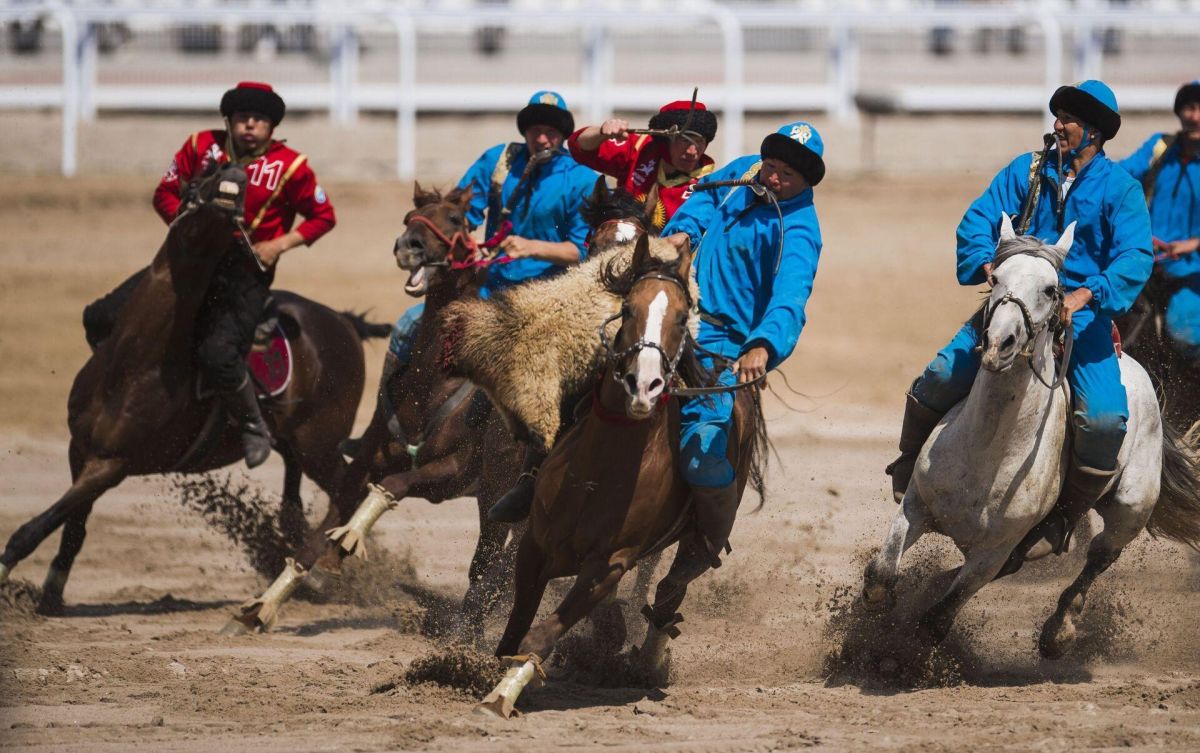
(417, 283)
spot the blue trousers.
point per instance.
(400, 346)
(1101, 408)
(704, 436)
(1183, 323)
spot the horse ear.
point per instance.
(641, 253)
(421, 197)
(650, 206)
(600, 192)
(1068, 237)
(1007, 233)
(461, 196)
(684, 266)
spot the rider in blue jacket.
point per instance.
(1168, 166)
(547, 231)
(755, 261)
(1105, 270)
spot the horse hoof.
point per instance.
(236, 627)
(51, 605)
(877, 598)
(1055, 644)
(494, 709)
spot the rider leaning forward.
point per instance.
(1168, 166)
(541, 201)
(280, 185)
(1104, 271)
(641, 161)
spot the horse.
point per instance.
(993, 467)
(1144, 337)
(610, 491)
(133, 408)
(438, 439)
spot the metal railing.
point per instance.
(343, 92)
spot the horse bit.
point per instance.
(1033, 330)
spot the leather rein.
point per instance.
(476, 256)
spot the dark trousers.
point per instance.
(232, 308)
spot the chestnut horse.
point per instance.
(1143, 335)
(440, 438)
(133, 408)
(610, 492)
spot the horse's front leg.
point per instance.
(981, 566)
(597, 579)
(879, 581)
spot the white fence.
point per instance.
(603, 58)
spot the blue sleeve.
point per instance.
(1138, 163)
(979, 230)
(779, 328)
(583, 179)
(479, 178)
(1131, 259)
(701, 208)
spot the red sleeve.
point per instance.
(309, 199)
(615, 158)
(181, 169)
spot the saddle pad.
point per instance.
(270, 364)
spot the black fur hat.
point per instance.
(676, 114)
(252, 96)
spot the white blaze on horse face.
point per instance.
(650, 377)
(626, 231)
(1025, 278)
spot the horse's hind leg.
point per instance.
(485, 577)
(92, 479)
(291, 510)
(879, 580)
(1121, 525)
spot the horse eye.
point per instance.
(455, 218)
(1049, 291)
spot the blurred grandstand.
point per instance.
(470, 56)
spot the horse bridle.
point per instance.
(615, 357)
(1033, 330)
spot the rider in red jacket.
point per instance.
(641, 161)
(280, 185)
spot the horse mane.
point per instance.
(1029, 245)
(618, 204)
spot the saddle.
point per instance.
(269, 362)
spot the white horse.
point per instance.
(993, 467)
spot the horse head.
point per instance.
(617, 217)
(652, 339)
(220, 188)
(1026, 295)
(436, 235)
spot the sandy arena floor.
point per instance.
(137, 663)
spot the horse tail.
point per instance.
(760, 449)
(1177, 514)
(365, 328)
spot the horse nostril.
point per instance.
(655, 386)
(630, 383)
(1009, 342)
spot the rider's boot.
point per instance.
(516, 503)
(383, 406)
(919, 423)
(716, 508)
(1081, 491)
(242, 405)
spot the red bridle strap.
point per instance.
(460, 239)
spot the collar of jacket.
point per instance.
(1050, 168)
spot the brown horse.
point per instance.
(1143, 334)
(439, 438)
(610, 492)
(133, 408)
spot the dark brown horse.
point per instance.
(133, 408)
(610, 492)
(439, 439)
(1143, 334)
